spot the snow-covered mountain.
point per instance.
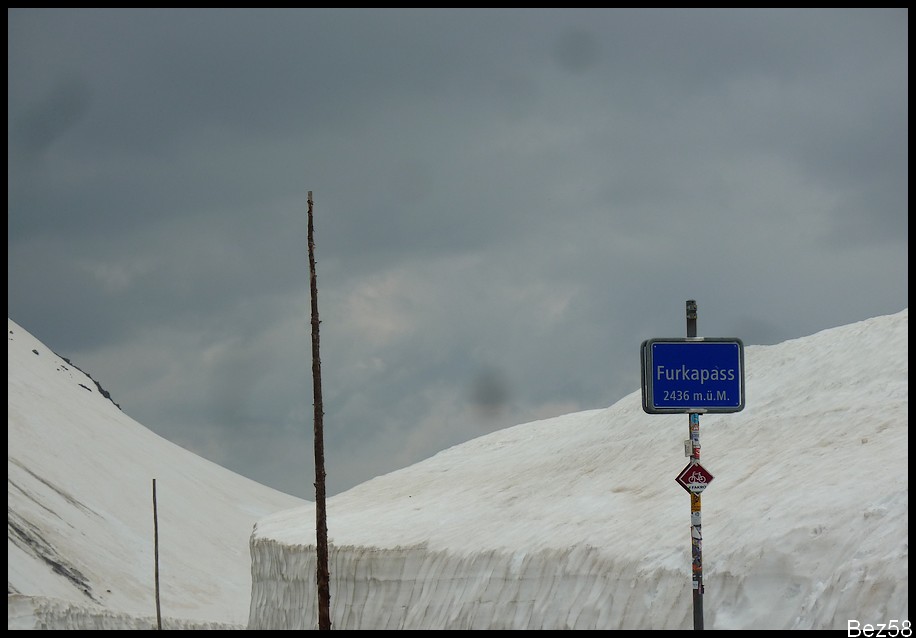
(80, 544)
(571, 522)
(577, 521)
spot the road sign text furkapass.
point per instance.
(696, 374)
(693, 374)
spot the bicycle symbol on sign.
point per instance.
(696, 477)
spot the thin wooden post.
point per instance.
(156, 556)
(321, 524)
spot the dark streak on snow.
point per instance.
(60, 492)
(27, 537)
(34, 500)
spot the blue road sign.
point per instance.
(693, 374)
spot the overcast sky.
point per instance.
(507, 203)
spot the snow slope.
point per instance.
(576, 522)
(80, 517)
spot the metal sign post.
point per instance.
(696, 525)
(693, 376)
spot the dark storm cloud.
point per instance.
(51, 117)
(507, 203)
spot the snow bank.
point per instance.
(577, 522)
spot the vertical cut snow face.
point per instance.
(576, 522)
(80, 517)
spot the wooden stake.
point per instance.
(156, 555)
(321, 528)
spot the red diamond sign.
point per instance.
(694, 478)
